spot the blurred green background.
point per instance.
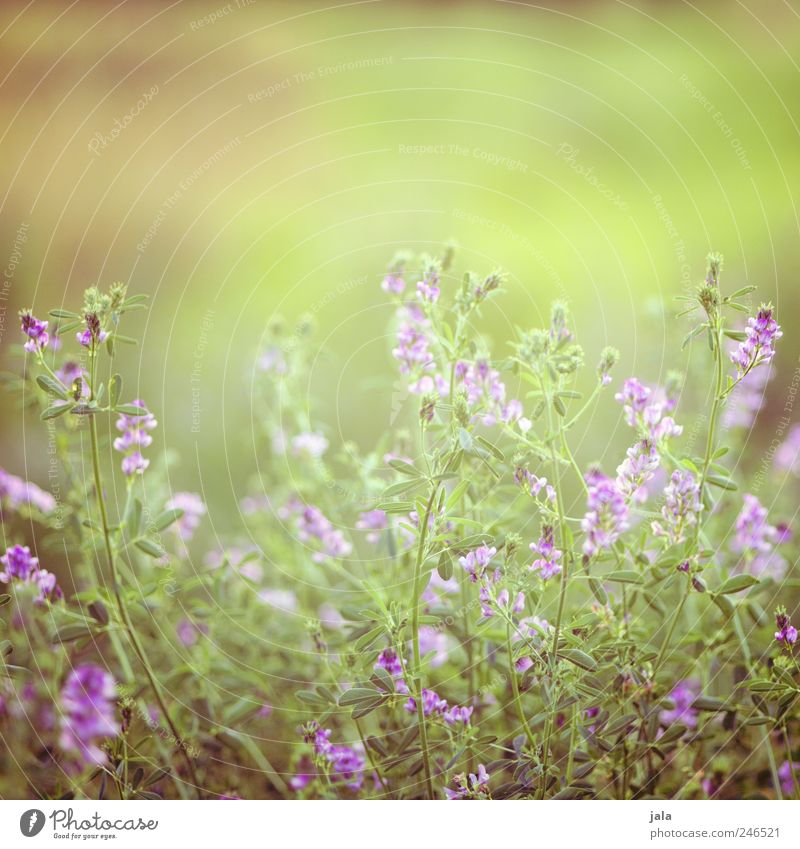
(245, 160)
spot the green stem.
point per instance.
(715, 408)
(123, 611)
(515, 688)
(415, 610)
(672, 625)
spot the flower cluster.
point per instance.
(35, 330)
(313, 526)
(646, 408)
(135, 436)
(343, 764)
(756, 539)
(607, 514)
(762, 332)
(87, 713)
(16, 492)
(476, 786)
(547, 563)
(21, 567)
(435, 706)
(682, 507)
(786, 633)
(637, 469)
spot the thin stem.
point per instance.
(512, 672)
(715, 408)
(415, 610)
(123, 611)
(672, 625)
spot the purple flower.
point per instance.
(786, 633)
(486, 392)
(607, 514)
(428, 291)
(547, 563)
(193, 511)
(534, 484)
(431, 703)
(682, 507)
(189, 631)
(19, 564)
(389, 660)
(373, 521)
(21, 567)
(93, 334)
(762, 333)
(345, 763)
(637, 469)
(785, 771)
(16, 493)
(682, 696)
(457, 714)
(312, 445)
(135, 436)
(476, 562)
(432, 639)
(87, 712)
(35, 330)
(787, 456)
(313, 526)
(393, 284)
(756, 539)
(474, 787)
(644, 408)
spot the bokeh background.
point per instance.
(251, 159)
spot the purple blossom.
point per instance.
(428, 291)
(432, 704)
(637, 469)
(477, 561)
(607, 514)
(19, 564)
(16, 493)
(756, 539)
(474, 787)
(35, 330)
(645, 408)
(87, 712)
(432, 639)
(534, 484)
(393, 284)
(547, 563)
(785, 772)
(787, 456)
(193, 511)
(457, 714)
(389, 660)
(786, 633)
(762, 333)
(682, 507)
(682, 696)
(373, 521)
(344, 763)
(486, 392)
(135, 436)
(313, 526)
(188, 631)
(312, 445)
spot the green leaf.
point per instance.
(672, 734)
(165, 519)
(736, 584)
(458, 491)
(56, 410)
(710, 703)
(133, 518)
(724, 604)
(5, 598)
(54, 386)
(624, 576)
(11, 671)
(98, 612)
(445, 565)
(366, 640)
(559, 407)
(311, 697)
(358, 695)
(400, 488)
(366, 707)
(722, 482)
(68, 633)
(150, 548)
(114, 390)
(405, 468)
(491, 448)
(579, 658)
(63, 314)
(6, 648)
(131, 410)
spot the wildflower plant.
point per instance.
(470, 610)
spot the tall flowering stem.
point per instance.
(118, 596)
(415, 611)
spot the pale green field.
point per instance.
(282, 154)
